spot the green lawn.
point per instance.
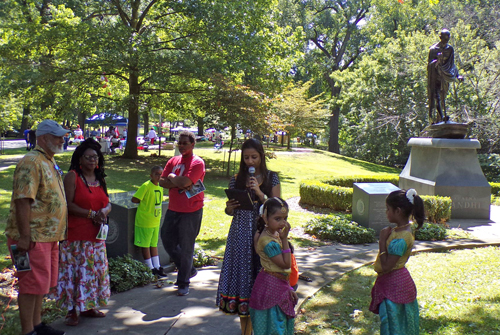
(457, 294)
(127, 175)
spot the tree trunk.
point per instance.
(201, 125)
(24, 122)
(233, 135)
(288, 147)
(81, 120)
(133, 116)
(333, 141)
(145, 118)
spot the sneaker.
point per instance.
(183, 290)
(160, 272)
(45, 329)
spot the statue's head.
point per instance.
(445, 35)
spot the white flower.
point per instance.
(410, 194)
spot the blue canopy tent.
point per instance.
(106, 119)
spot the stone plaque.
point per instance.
(120, 239)
(368, 204)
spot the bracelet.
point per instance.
(286, 251)
(383, 252)
(92, 214)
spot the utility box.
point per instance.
(368, 204)
(120, 239)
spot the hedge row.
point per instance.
(339, 198)
(348, 181)
(323, 195)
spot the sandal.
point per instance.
(93, 313)
(305, 278)
(71, 318)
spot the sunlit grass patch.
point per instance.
(457, 294)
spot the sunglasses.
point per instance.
(91, 158)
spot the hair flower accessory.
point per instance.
(261, 210)
(410, 195)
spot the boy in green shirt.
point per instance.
(147, 220)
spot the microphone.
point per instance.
(251, 171)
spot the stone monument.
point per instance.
(368, 204)
(120, 239)
(449, 167)
(442, 162)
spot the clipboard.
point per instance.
(242, 196)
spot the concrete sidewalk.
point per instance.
(155, 311)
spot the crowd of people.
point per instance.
(61, 224)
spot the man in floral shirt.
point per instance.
(37, 222)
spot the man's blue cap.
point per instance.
(50, 127)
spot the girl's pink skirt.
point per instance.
(269, 291)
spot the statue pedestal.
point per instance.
(449, 167)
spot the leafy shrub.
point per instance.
(200, 258)
(431, 232)
(126, 273)
(437, 209)
(490, 164)
(339, 229)
(495, 189)
(324, 195)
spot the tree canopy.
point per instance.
(242, 64)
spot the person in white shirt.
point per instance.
(152, 135)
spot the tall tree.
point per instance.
(333, 29)
(297, 113)
(145, 48)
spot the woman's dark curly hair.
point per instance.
(89, 143)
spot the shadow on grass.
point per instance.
(366, 165)
(334, 307)
(212, 243)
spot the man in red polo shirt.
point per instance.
(183, 218)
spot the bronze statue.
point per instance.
(441, 70)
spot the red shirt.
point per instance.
(80, 228)
(192, 167)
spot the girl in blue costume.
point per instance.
(273, 299)
(394, 295)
